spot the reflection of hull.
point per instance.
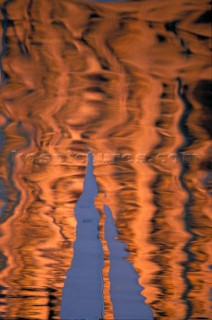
(82, 292)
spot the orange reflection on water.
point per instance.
(125, 78)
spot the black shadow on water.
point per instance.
(82, 293)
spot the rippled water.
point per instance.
(131, 83)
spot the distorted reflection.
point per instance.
(130, 78)
(82, 292)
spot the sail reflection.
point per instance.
(82, 292)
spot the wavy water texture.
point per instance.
(127, 78)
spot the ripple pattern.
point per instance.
(130, 82)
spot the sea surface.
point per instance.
(105, 160)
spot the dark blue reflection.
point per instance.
(3, 198)
(82, 292)
(3, 190)
(127, 301)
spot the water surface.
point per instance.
(130, 82)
